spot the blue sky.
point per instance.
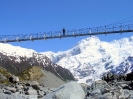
(34, 16)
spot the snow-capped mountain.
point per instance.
(90, 58)
(16, 59)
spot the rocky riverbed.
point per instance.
(72, 90)
(32, 90)
(111, 86)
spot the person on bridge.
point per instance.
(64, 31)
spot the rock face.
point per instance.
(70, 90)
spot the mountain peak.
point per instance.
(90, 57)
(88, 40)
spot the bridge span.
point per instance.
(68, 33)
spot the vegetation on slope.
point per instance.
(4, 75)
(33, 73)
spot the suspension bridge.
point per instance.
(114, 28)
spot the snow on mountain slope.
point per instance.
(10, 50)
(16, 59)
(90, 58)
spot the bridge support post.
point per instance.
(121, 29)
(105, 30)
(129, 27)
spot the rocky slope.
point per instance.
(43, 77)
